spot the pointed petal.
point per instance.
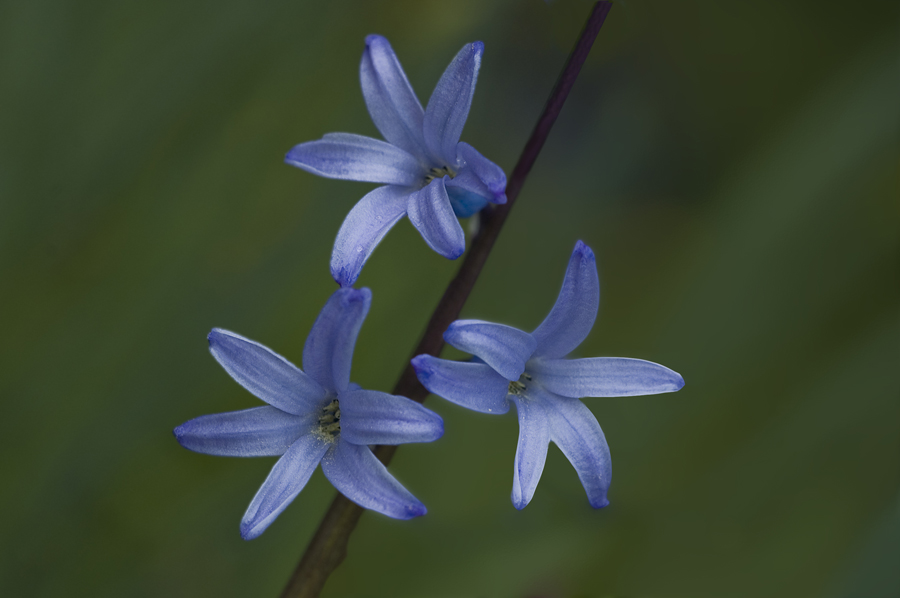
(573, 315)
(432, 215)
(285, 481)
(391, 101)
(504, 348)
(479, 175)
(574, 429)
(264, 373)
(328, 352)
(604, 377)
(531, 451)
(363, 228)
(475, 386)
(357, 158)
(361, 477)
(449, 105)
(372, 417)
(257, 432)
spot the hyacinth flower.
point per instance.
(315, 415)
(531, 372)
(427, 172)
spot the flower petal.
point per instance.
(465, 203)
(328, 352)
(504, 348)
(357, 158)
(257, 432)
(573, 315)
(391, 101)
(475, 386)
(479, 175)
(448, 107)
(363, 228)
(372, 417)
(264, 373)
(285, 481)
(361, 477)
(531, 450)
(432, 215)
(574, 429)
(604, 377)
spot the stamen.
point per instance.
(518, 387)
(330, 420)
(437, 173)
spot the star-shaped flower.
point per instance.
(428, 172)
(529, 370)
(312, 417)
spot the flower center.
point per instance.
(330, 420)
(438, 173)
(518, 387)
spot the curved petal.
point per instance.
(574, 429)
(465, 203)
(391, 101)
(285, 481)
(573, 315)
(361, 477)
(604, 377)
(372, 417)
(531, 450)
(448, 107)
(357, 158)
(504, 348)
(475, 386)
(432, 215)
(257, 432)
(264, 373)
(363, 228)
(479, 175)
(328, 352)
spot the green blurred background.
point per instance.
(732, 164)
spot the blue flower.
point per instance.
(312, 417)
(428, 172)
(529, 370)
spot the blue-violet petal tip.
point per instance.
(344, 277)
(584, 251)
(349, 295)
(416, 509)
(418, 362)
(601, 504)
(248, 533)
(214, 335)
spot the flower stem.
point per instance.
(328, 546)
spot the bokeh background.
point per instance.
(732, 164)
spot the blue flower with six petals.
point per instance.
(529, 370)
(313, 416)
(428, 173)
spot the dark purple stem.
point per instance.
(328, 546)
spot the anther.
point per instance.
(437, 173)
(518, 387)
(330, 420)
